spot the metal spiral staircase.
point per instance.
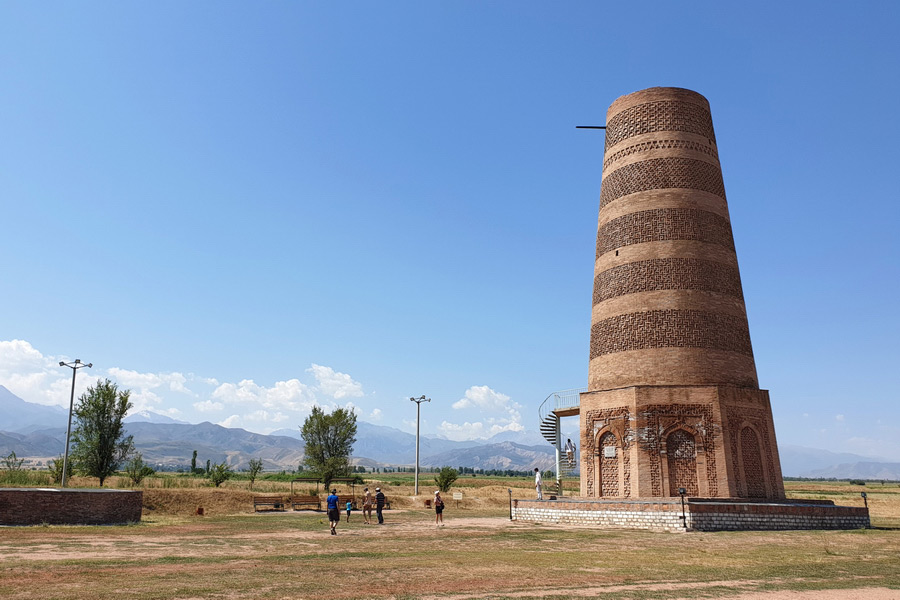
(559, 404)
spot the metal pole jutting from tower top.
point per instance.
(418, 402)
(74, 366)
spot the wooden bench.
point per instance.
(276, 502)
(306, 501)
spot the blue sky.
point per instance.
(238, 210)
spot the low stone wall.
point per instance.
(718, 516)
(700, 514)
(37, 506)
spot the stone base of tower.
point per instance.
(696, 514)
(646, 442)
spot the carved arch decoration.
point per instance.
(754, 481)
(595, 424)
(681, 445)
(609, 464)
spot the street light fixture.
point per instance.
(682, 492)
(418, 402)
(74, 366)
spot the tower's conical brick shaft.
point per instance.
(673, 398)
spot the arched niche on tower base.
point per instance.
(754, 481)
(609, 473)
(683, 461)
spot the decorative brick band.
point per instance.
(660, 174)
(661, 145)
(670, 329)
(662, 115)
(668, 274)
(665, 224)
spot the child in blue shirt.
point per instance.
(349, 508)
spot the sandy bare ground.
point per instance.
(191, 539)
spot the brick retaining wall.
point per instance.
(36, 506)
(701, 515)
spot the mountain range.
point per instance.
(39, 432)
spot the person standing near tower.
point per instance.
(538, 483)
(379, 505)
(570, 452)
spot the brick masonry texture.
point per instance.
(668, 274)
(670, 329)
(662, 115)
(672, 380)
(699, 515)
(664, 224)
(662, 173)
(28, 506)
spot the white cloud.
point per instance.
(34, 377)
(484, 398)
(335, 384)
(839, 418)
(289, 395)
(37, 378)
(497, 411)
(208, 406)
(477, 430)
(375, 415)
(232, 421)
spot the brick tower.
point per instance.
(673, 399)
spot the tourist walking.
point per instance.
(334, 513)
(438, 509)
(379, 505)
(538, 483)
(367, 507)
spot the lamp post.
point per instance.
(418, 402)
(74, 366)
(682, 492)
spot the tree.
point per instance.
(13, 463)
(99, 445)
(55, 466)
(255, 468)
(219, 473)
(446, 478)
(137, 469)
(329, 441)
(194, 462)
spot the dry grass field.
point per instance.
(230, 552)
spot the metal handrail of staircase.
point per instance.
(561, 399)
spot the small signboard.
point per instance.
(609, 451)
(457, 496)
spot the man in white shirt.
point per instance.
(538, 483)
(570, 452)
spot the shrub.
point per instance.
(445, 478)
(219, 473)
(137, 469)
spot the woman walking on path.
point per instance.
(367, 507)
(438, 509)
